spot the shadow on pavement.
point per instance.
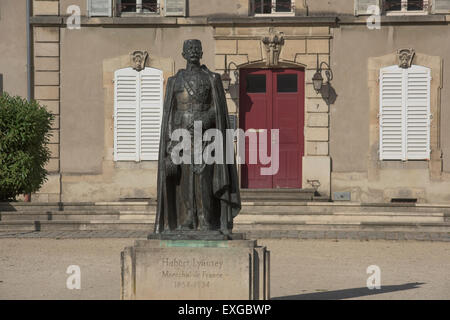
(350, 293)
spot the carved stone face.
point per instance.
(138, 59)
(404, 60)
(192, 51)
(405, 57)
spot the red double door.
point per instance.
(273, 99)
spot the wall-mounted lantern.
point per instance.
(318, 79)
(226, 79)
(325, 89)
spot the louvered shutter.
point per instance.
(405, 113)
(126, 115)
(175, 8)
(361, 6)
(100, 8)
(151, 104)
(441, 6)
(391, 114)
(418, 113)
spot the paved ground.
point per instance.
(300, 269)
(255, 234)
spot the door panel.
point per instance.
(255, 114)
(288, 117)
(280, 106)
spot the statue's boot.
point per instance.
(204, 224)
(190, 223)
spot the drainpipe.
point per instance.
(29, 61)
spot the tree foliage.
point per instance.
(24, 137)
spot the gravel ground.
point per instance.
(300, 269)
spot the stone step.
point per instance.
(321, 199)
(108, 206)
(348, 234)
(372, 227)
(20, 226)
(278, 194)
(244, 217)
(76, 215)
(277, 191)
(78, 206)
(250, 234)
(28, 206)
(248, 206)
(292, 211)
(313, 208)
(381, 217)
(277, 224)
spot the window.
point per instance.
(100, 8)
(280, 7)
(404, 6)
(405, 113)
(287, 83)
(441, 6)
(138, 105)
(139, 6)
(396, 7)
(256, 83)
(175, 8)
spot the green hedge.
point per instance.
(24, 135)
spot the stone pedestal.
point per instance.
(195, 270)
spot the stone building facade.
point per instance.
(73, 75)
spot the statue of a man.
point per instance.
(195, 196)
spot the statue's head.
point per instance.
(192, 51)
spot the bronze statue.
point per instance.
(195, 198)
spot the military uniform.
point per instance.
(193, 102)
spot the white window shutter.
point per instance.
(361, 6)
(418, 113)
(151, 108)
(100, 8)
(175, 8)
(441, 6)
(126, 115)
(391, 114)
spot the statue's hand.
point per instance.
(171, 168)
(209, 119)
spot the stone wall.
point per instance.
(13, 47)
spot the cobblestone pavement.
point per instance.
(274, 234)
(300, 269)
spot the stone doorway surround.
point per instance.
(377, 169)
(301, 47)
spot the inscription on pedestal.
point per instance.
(203, 272)
(196, 273)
